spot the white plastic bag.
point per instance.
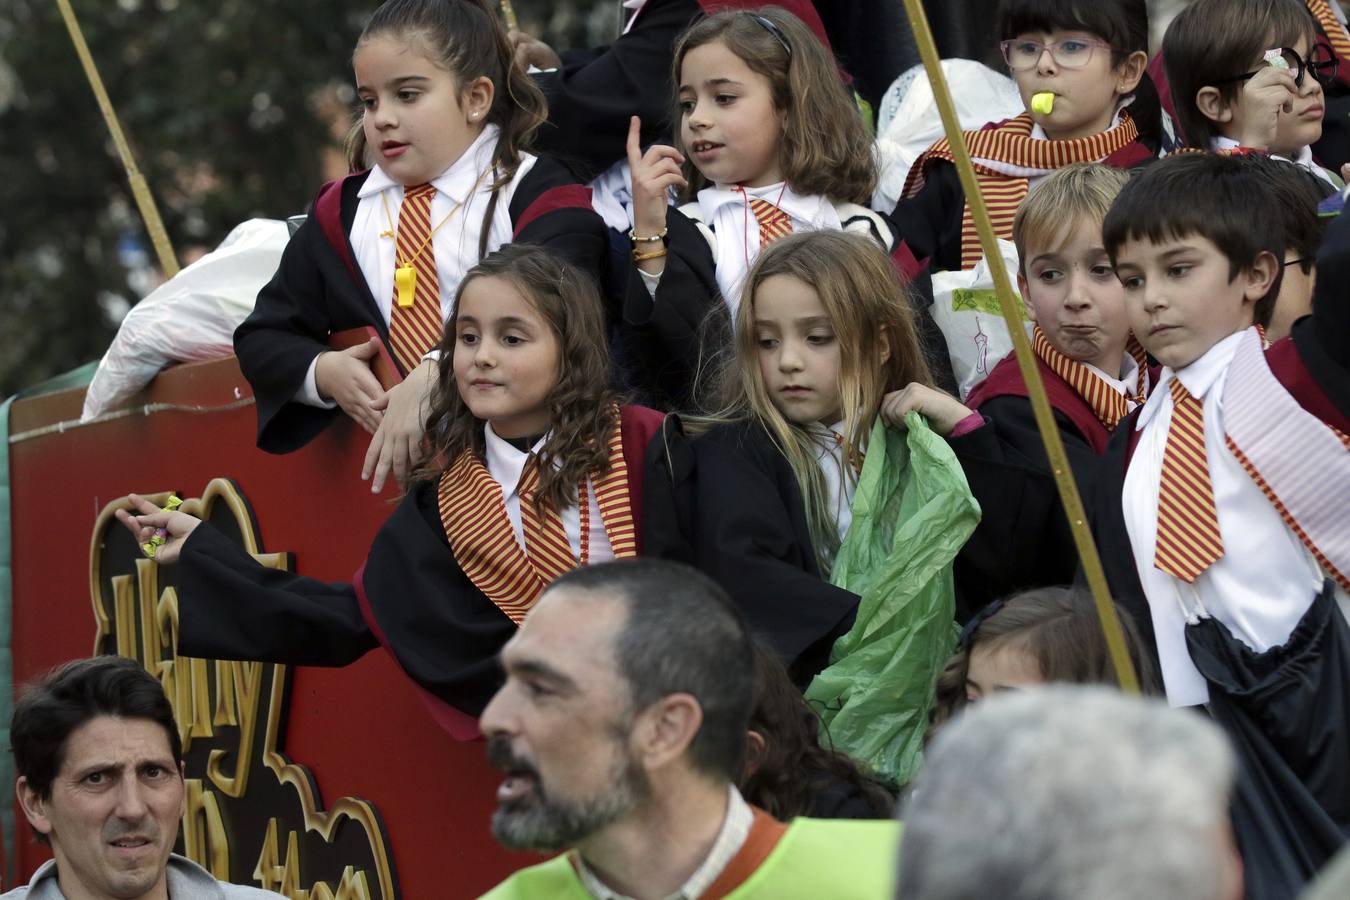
(966, 309)
(909, 122)
(191, 317)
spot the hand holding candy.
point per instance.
(160, 532)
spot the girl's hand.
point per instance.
(530, 51)
(654, 174)
(1264, 97)
(149, 518)
(942, 411)
(397, 445)
(344, 377)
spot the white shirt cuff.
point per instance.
(651, 281)
(309, 389)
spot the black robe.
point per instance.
(318, 290)
(410, 596)
(728, 504)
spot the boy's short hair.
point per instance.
(1298, 198)
(1074, 193)
(1214, 40)
(1225, 199)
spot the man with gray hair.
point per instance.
(1069, 792)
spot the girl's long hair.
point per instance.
(824, 147)
(1121, 23)
(583, 408)
(1055, 626)
(879, 351)
(794, 767)
(465, 38)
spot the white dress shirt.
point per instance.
(730, 839)
(841, 482)
(1266, 579)
(505, 464)
(455, 243)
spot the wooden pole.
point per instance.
(1026, 360)
(140, 189)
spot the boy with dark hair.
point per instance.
(1297, 197)
(1250, 73)
(1223, 497)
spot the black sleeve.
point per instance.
(572, 229)
(592, 96)
(1023, 539)
(288, 327)
(728, 504)
(664, 335)
(930, 221)
(1323, 339)
(231, 607)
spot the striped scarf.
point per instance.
(1108, 404)
(473, 513)
(1010, 143)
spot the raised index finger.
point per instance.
(634, 142)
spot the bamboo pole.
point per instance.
(509, 14)
(1026, 360)
(140, 189)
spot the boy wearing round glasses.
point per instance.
(1250, 73)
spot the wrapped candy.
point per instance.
(1043, 103)
(1275, 59)
(161, 535)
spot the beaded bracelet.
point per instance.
(632, 236)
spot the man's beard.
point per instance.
(538, 821)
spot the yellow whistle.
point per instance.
(1043, 103)
(405, 279)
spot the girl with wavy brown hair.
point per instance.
(768, 141)
(535, 469)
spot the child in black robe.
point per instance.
(537, 470)
(444, 106)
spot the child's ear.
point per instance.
(1022, 292)
(1212, 106)
(476, 99)
(884, 336)
(1130, 72)
(1259, 277)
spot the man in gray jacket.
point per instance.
(100, 769)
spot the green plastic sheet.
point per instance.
(912, 512)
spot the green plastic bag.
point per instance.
(912, 512)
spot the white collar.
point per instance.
(1129, 375)
(1303, 158)
(504, 460)
(731, 837)
(801, 207)
(456, 181)
(1197, 378)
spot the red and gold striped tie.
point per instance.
(545, 540)
(773, 222)
(416, 328)
(1188, 523)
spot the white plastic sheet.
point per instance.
(191, 317)
(966, 309)
(909, 123)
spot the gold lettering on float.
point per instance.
(281, 874)
(208, 695)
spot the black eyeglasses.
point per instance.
(1297, 262)
(1322, 63)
